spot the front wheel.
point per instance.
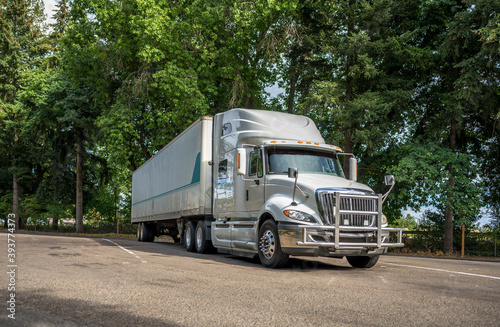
(270, 253)
(362, 262)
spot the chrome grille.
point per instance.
(328, 207)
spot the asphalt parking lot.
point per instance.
(76, 281)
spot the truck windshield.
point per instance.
(306, 161)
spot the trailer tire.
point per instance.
(148, 233)
(189, 236)
(202, 243)
(362, 261)
(270, 253)
(139, 232)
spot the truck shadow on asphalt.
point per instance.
(165, 248)
(40, 307)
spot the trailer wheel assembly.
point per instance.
(189, 236)
(148, 234)
(202, 243)
(139, 232)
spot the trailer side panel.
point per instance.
(176, 182)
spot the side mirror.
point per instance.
(353, 169)
(389, 180)
(241, 159)
(294, 173)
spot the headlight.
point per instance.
(299, 215)
(384, 220)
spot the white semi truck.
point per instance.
(255, 182)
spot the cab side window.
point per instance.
(255, 164)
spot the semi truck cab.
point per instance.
(280, 191)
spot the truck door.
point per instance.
(254, 189)
(243, 231)
(224, 205)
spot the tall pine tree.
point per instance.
(444, 164)
(21, 52)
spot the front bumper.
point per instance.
(346, 231)
(319, 240)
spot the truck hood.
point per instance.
(309, 183)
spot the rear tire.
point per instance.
(189, 236)
(270, 253)
(148, 234)
(139, 233)
(203, 245)
(362, 262)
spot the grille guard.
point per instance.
(378, 229)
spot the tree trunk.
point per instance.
(79, 182)
(55, 223)
(15, 198)
(15, 186)
(448, 229)
(448, 213)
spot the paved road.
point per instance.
(69, 281)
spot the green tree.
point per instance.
(371, 58)
(135, 71)
(303, 58)
(73, 95)
(408, 222)
(159, 65)
(458, 93)
(21, 52)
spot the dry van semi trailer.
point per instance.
(255, 182)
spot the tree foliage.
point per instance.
(21, 56)
(457, 100)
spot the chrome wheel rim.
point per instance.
(199, 237)
(267, 244)
(188, 236)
